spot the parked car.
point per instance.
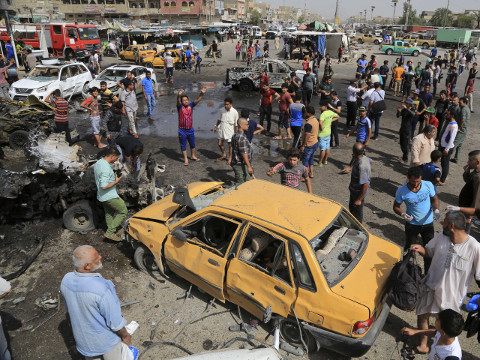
(297, 256)
(243, 78)
(70, 78)
(271, 34)
(256, 32)
(135, 52)
(368, 38)
(421, 40)
(401, 47)
(115, 73)
(157, 60)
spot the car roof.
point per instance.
(54, 66)
(125, 67)
(294, 210)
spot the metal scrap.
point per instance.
(51, 316)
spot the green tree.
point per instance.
(255, 17)
(464, 21)
(301, 19)
(413, 19)
(476, 18)
(442, 17)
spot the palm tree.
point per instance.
(442, 17)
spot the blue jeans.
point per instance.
(375, 119)
(150, 104)
(189, 64)
(308, 153)
(4, 352)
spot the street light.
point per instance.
(394, 7)
(373, 8)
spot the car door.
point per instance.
(277, 74)
(259, 275)
(67, 83)
(128, 55)
(202, 257)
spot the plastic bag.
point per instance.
(129, 353)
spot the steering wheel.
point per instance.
(214, 231)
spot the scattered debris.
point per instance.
(132, 327)
(122, 304)
(51, 316)
(18, 300)
(46, 302)
(27, 263)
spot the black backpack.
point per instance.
(404, 281)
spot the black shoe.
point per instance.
(335, 147)
(375, 138)
(454, 160)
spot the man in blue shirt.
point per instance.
(106, 181)
(422, 208)
(10, 53)
(149, 93)
(188, 55)
(253, 127)
(361, 66)
(94, 309)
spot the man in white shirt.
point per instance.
(447, 144)
(376, 96)
(352, 92)
(455, 261)
(168, 62)
(366, 96)
(225, 128)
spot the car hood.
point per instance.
(367, 281)
(31, 84)
(163, 209)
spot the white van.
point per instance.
(256, 32)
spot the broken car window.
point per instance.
(267, 253)
(214, 231)
(44, 73)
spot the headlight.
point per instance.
(42, 89)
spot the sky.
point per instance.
(347, 8)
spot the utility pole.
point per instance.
(373, 8)
(408, 13)
(336, 11)
(446, 15)
(394, 7)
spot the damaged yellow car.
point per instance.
(294, 256)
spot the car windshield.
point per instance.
(43, 74)
(339, 247)
(112, 75)
(88, 33)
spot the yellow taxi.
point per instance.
(296, 256)
(157, 60)
(135, 52)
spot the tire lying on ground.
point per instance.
(146, 262)
(18, 139)
(80, 217)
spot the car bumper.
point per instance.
(348, 346)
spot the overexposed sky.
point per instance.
(348, 8)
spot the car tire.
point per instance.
(149, 65)
(425, 45)
(122, 57)
(18, 139)
(80, 217)
(389, 52)
(360, 41)
(245, 85)
(415, 53)
(376, 42)
(290, 332)
(146, 262)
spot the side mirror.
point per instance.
(180, 235)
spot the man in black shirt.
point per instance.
(130, 149)
(214, 50)
(407, 114)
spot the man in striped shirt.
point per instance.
(61, 113)
(185, 123)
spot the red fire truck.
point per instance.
(61, 39)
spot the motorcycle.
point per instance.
(209, 53)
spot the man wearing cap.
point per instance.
(430, 117)
(168, 62)
(407, 113)
(422, 146)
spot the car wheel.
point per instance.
(149, 65)
(146, 262)
(18, 139)
(360, 41)
(376, 42)
(290, 332)
(245, 85)
(80, 217)
(415, 53)
(425, 46)
(122, 57)
(389, 52)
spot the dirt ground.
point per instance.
(162, 316)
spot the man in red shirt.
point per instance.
(430, 116)
(262, 77)
(267, 95)
(284, 116)
(185, 123)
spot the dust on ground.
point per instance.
(159, 310)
